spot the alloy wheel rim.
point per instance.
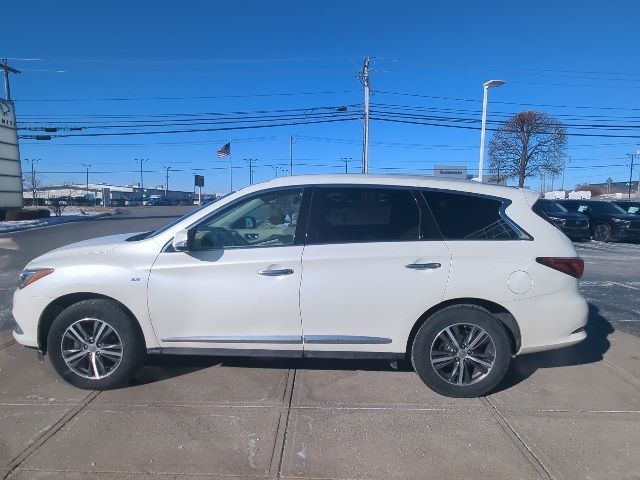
(463, 354)
(91, 348)
(600, 232)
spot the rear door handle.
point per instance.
(423, 266)
(276, 272)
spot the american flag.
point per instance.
(225, 150)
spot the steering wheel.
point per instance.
(220, 237)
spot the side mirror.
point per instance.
(181, 241)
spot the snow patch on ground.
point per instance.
(71, 214)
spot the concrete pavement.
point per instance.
(572, 413)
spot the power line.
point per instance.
(193, 97)
(195, 130)
(508, 103)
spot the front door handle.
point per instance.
(276, 272)
(423, 266)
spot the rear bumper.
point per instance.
(550, 321)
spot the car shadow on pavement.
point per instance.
(591, 350)
(164, 367)
(598, 328)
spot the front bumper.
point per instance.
(626, 234)
(26, 313)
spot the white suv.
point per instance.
(456, 276)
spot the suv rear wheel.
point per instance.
(461, 351)
(95, 345)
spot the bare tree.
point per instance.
(526, 145)
(31, 183)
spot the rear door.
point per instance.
(373, 263)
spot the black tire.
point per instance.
(602, 232)
(480, 379)
(131, 352)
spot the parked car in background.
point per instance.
(133, 203)
(632, 208)
(455, 276)
(608, 221)
(574, 225)
(157, 202)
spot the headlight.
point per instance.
(27, 277)
(622, 223)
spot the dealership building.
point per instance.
(105, 194)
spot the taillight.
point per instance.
(571, 266)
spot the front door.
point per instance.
(238, 285)
(373, 264)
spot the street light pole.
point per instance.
(485, 98)
(87, 184)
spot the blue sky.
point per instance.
(573, 59)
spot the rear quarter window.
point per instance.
(469, 217)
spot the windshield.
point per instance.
(606, 207)
(549, 206)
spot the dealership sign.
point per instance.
(10, 168)
(450, 171)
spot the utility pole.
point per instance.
(363, 76)
(250, 162)
(87, 167)
(33, 179)
(637, 155)
(346, 161)
(632, 156)
(141, 160)
(166, 184)
(291, 155)
(564, 167)
(7, 70)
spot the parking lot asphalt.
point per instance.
(570, 413)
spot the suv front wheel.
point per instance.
(95, 345)
(461, 351)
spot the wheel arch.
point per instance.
(505, 317)
(57, 306)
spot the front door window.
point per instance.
(264, 220)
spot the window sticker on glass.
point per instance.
(582, 208)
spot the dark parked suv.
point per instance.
(574, 225)
(608, 221)
(630, 207)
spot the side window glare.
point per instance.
(265, 220)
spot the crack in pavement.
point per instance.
(46, 435)
(517, 440)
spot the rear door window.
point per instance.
(363, 214)
(469, 217)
